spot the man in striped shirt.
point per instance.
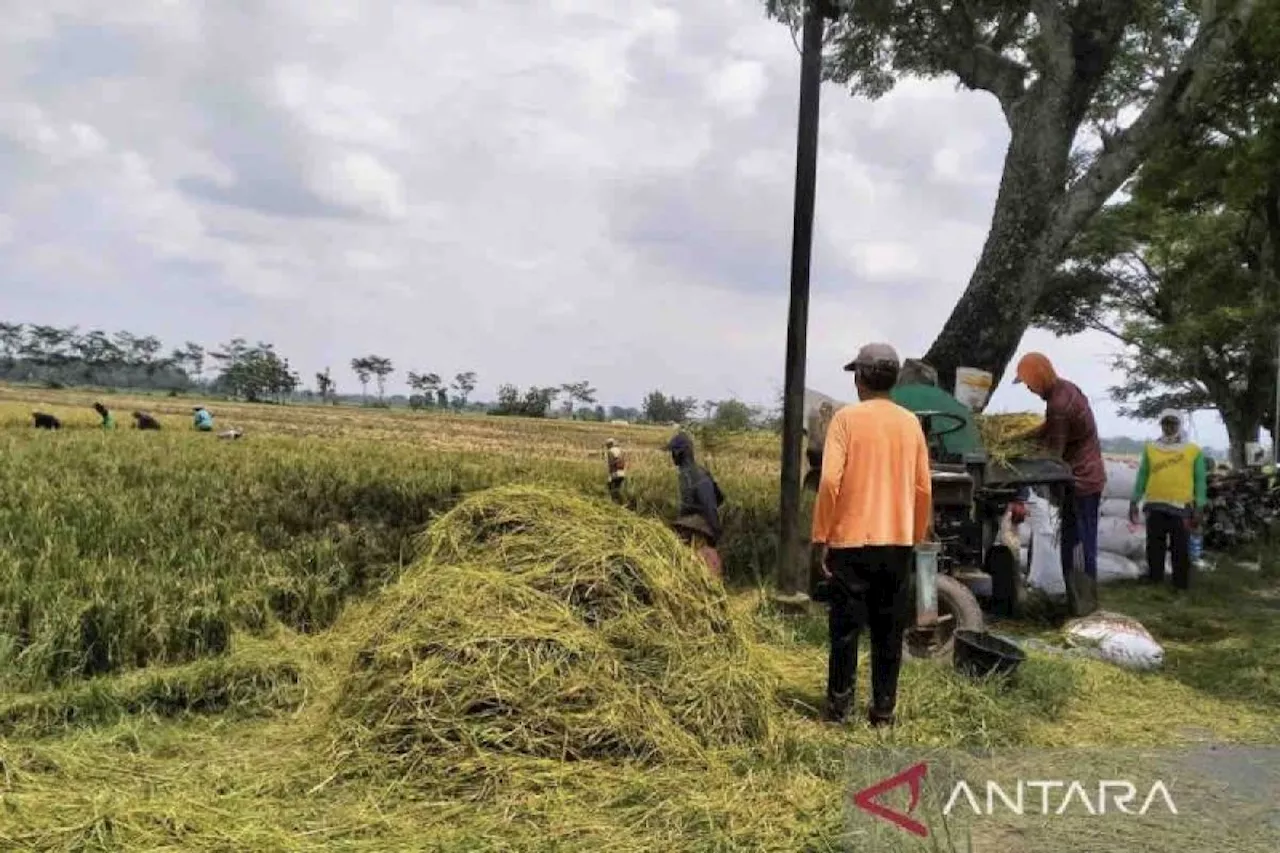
(875, 502)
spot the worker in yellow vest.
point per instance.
(1172, 482)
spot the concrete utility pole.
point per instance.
(1275, 423)
(792, 574)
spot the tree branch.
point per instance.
(1179, 94)
(1056, 35)
(978, 65)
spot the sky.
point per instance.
(556, 190)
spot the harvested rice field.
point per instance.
(372, 630)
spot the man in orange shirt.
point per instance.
(875, 502)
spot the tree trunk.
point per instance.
(1241, 430)
(988, 322)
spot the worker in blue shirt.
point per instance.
(203, 421)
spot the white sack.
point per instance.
(1116, 567)
(1118, 639)
(1118, 536)
(1122, 477)
(1115, 508)
(1046, 565)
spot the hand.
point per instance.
(1197, 518)
(822, 563)
(1133, 512)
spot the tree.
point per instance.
(363, 369)
(534, 403)
(734, 416)
(659, 408)
(255, 373)
(325, 385)
(577, 392)
(12, 338)
(190, 359)
(464, 384)
(1186, 273)
(381, 368)
(1062, 73)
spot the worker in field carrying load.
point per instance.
(875, 502)
(698, 518)
(1172, 480)
(617, 462)
(1070, 432)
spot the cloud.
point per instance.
(559, 189)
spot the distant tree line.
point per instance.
(259, 373)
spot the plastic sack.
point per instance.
(1122, 477)
(1118, 639)
(1115, 508)
(1117, 567)
(1118, 536)
(1045, 571)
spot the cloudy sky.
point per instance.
(554, 190)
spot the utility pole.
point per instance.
(792, 575)
(1275, 423)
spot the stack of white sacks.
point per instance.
(1121, 545)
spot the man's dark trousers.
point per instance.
(1168, 530)
(870, 587)
(1079, 526)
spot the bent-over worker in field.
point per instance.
(201, 419)
(1173, 481)
(875, 501)
(698, 518)
(108, 419)
(617, 461)
(142, 420)
(1069, 432)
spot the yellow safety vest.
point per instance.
(1171, 474)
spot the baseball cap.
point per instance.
(875, 355)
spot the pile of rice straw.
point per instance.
(546, 625)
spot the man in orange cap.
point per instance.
(1069, 431)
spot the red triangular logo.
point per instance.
(913, 776)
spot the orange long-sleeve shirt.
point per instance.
(876, 487)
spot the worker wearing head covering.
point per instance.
(874, 505)
(201, 419)
(617, 462)
(698, 517)
(949, 423)
(1172, 479)
(1069, 432)
(108, 420)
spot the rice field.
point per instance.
(253, 645)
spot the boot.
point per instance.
(837, 710)
(880, 714)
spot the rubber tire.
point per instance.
(956, 599)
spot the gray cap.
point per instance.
(873, 356)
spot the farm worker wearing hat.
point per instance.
(201, 419)
(698, 518)
(1173, 481)
(1069, 432)
(617, 461)
(875, 502)
(917, 390)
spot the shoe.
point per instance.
(837, 708)
(878, 718)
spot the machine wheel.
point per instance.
(957, 610)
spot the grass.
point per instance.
(195, 645)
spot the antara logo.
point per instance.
(1056, 797)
